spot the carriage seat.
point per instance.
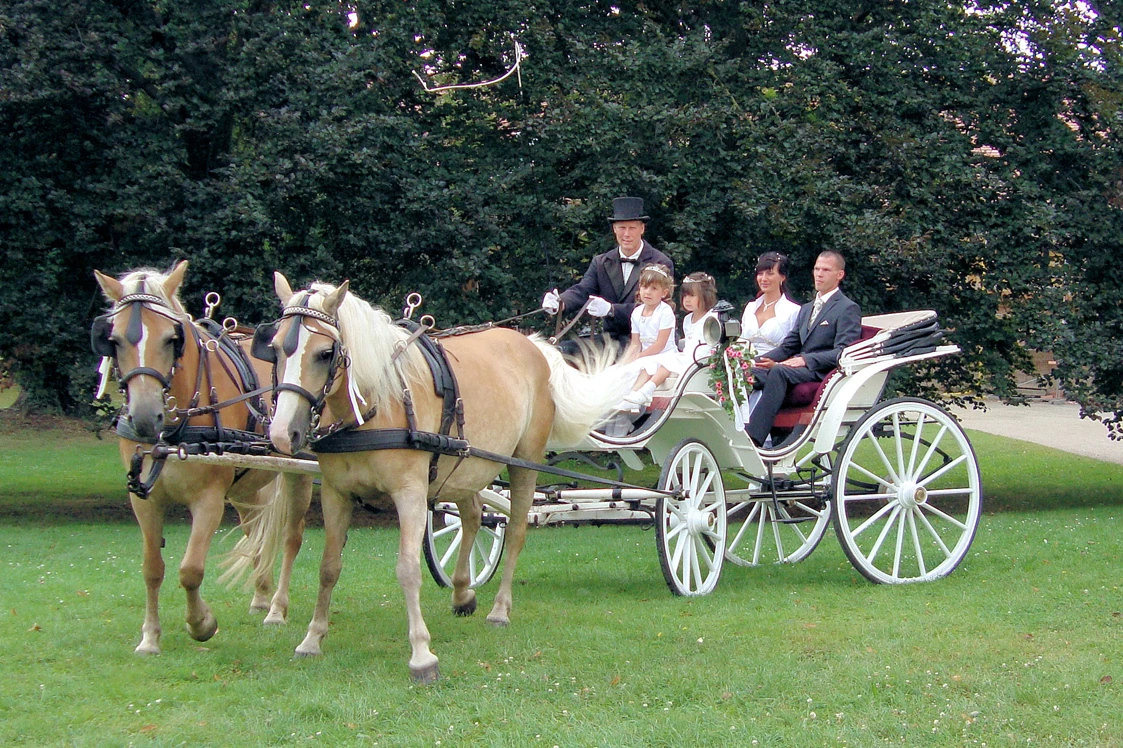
(802, 400)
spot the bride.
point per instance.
(769, 317)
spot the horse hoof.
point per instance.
(423, 676)
(466, 609)
(205, 631)
(274, 619)
(499, 623)
(146, 650)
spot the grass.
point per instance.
(1022, 644)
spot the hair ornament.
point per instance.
(658, 269)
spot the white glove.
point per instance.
(598, 307)
(550, 302)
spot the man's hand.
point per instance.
(764, 363)
(796, 362)
(550, 302)
(599, 307)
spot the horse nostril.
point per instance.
(294, 439)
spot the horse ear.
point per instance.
(110, 286)
(335, 298)
(175, 279)
(282, 287)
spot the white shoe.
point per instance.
(638, 397)
(627, 406)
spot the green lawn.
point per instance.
(1023, 644)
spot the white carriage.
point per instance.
(897, 478)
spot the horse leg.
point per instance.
(463, 596)
(150, 517)
(297, 490)
(522, 495)
(206, 516)
(337, 518)
(412, 508)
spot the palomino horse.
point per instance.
(164, 358)
(517, 394)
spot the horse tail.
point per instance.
(583, 398)
(253, 555)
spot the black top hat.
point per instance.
(627, 209)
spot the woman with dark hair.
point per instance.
(769, 317)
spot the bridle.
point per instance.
(103, 345)
(262, 349)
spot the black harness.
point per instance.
(345, 439)
(209, 337)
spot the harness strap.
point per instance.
(373, 440)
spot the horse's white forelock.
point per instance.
(369, 336)
(152, 282)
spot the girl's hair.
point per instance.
(781, 263)
(658, 275)
(703, 287)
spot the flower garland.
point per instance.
(731, 373)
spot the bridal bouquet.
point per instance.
(731, 373)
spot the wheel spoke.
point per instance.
(929, 478)
(898, 443)
(935, 535)
(451, 551)
(917, 438)
(453, 529)
(874, 518)
(911, 515)
(884, 533)
(900, 521)
(881, 481)
(945, 516)
(932, 449)
(884, 460)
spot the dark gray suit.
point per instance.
(838, 325)
(605, 278)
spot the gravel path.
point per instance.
(1051, 423)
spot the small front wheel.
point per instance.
(443, 535)
(907, 493)
(690, 530)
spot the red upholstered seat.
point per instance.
(801, 400)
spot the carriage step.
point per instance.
(793, 520)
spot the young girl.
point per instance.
(698, 295)
(653, 340)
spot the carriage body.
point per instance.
(898, 479)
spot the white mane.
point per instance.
(370, 337)
(152, 282)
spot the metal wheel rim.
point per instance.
(906, 508)
(691, 531)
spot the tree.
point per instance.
(963, 157)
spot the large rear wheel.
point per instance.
(690, 531)
(907, 493)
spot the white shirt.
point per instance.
(769, 335)
(692, 335)
(648, 328)
(627, 267)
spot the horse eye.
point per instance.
(326, 354)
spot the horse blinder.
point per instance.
(262, 347)
(100, 341)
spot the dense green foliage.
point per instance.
(966, 161)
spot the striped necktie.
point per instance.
(815, 309)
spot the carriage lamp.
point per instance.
(722, 327)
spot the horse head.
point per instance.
(144, 333)
(306, 349)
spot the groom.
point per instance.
(823, 328)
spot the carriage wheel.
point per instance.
(443, 534)
(907, 493)
(787, 530)
(690, 530)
